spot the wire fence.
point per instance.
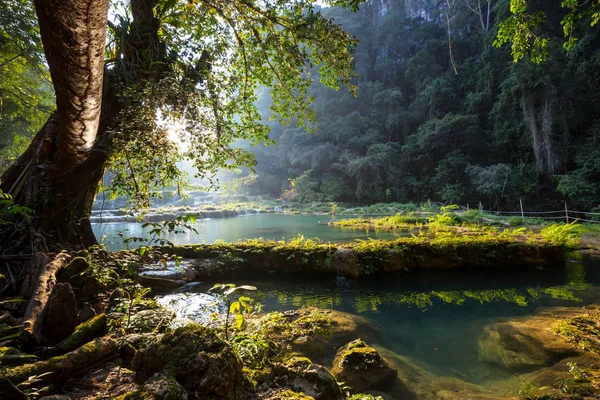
(565, 214)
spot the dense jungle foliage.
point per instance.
(443, 113)
(460, 125)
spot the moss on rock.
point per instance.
(361, 367)
(195, 357)
(313, 332)
(301, 375)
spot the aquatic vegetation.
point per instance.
(425, 300)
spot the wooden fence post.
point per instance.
(522, 213)
(566, 212)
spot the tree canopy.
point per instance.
(177, 80)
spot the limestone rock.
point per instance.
(75, 267)
(316, 333)
(524, 344)
(151, 320)
(61, 316)
(116, 297)
(110, 380)
(169, 270)
(162, 387)
(361, 367)
(311, 379)
(196, 358)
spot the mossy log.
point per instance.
(83, 333)
(64, 366)
(34, 315)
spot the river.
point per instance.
(266, 226)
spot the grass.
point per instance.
(474, 222)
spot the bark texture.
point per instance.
(74, 35)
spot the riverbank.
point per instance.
(232, 351)
(140, 349)
(471, 249)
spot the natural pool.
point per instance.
(267, 226)
(432, 318)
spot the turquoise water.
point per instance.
(433, 318)
(267, 226)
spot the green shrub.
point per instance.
(567, 235)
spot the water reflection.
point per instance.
(418, 312)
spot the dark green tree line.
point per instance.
(494, 132)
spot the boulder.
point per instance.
(161, 387)
(361, 367)
(195, 357)
(85, 313)
(151, 320)
(60, 319)
(108, 380)
(315, 333)
(166, 276)
(311, 379)
(286, 394)
(169, 270)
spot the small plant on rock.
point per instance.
(238, 308)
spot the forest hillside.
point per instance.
(455, 124)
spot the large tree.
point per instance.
(195, 65)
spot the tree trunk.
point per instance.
(61, 199)
(59, 174)
(74, 35)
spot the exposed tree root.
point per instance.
(84, 333)
(62, 367)
(34, 314)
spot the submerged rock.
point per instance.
(525, 344)
(361, 367)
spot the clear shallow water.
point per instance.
(434, 319)
(267, 226)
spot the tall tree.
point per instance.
(194, 62)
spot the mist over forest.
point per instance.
(493, 131)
